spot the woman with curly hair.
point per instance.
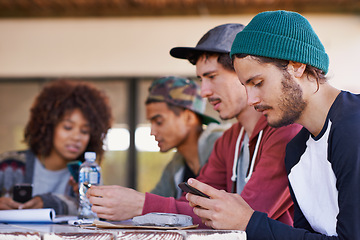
(67, 119)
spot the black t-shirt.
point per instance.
(188, 173)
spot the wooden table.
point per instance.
(64, 231)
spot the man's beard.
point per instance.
(292, 103)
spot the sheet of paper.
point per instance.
(130, 225)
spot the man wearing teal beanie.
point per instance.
(282, 64)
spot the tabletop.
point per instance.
(19, 231)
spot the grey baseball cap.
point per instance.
(218, 40)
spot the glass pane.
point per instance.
(114, 163)
(16, 98)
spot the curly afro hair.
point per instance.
(59, 98)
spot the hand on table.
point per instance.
(115, 203)
(35, 202)
(7, 203)
(223, 210)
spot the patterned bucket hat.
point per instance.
(180, 92)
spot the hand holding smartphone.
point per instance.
(189, 189)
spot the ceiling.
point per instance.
(136, 8)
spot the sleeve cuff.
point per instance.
(51, 201)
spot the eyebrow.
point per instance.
(71, 121)
(153, 117)
(206, 74)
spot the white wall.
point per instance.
(140, 46)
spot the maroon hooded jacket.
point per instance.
(267, 190)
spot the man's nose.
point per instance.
(205, 89)
(152, 131)
(252, 97)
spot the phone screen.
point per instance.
(74, 168)
(22, 192)
(189, 189)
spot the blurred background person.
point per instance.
(67, 118)
(175, 110)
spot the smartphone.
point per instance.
(22, 192)
(74, 168)
(189, 189)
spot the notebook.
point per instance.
(42, 215)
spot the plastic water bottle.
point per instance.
(89, 174)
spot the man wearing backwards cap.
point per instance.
(265, 185)
(176, 113)
(282, 63)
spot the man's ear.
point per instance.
(190, 117)
(298, 69)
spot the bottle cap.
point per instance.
(90, 156)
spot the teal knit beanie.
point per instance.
(282, 35)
